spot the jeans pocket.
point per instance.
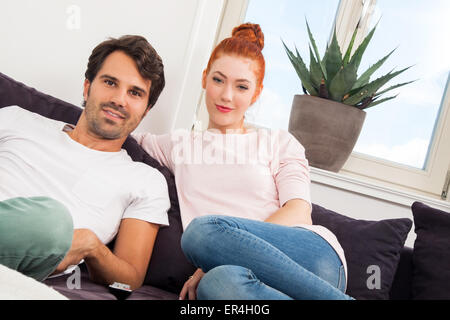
(342, 280)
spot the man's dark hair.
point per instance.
(148, 62)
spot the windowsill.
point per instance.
(368, 188)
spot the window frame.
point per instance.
(427, 182)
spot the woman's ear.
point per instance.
(204, 79)
(257, 94)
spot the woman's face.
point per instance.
(230, 90)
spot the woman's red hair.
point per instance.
(247, 40)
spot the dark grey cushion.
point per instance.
(402, 285)
(85, 289)
(366, 243)
(168, 268)
(431, 255)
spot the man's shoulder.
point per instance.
(16, 110)
(12, 111)
(16, 113)
(146, 182)
(145, 173)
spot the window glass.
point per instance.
(286, 20)
(402, 129)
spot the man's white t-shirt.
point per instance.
(37, 158)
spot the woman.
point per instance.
(244, 193)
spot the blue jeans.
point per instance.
(253, 260)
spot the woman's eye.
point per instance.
(218, 80)
(243, 87)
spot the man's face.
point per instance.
(116, 100)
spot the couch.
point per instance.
(380, 266)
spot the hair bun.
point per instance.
(250, 32)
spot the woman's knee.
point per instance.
(224, 282)
(197, 234)
(201, 228)
(231, 282)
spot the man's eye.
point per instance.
(109, 82)
(135, 93)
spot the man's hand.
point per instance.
(84, 243)
(129, 260)
(127, 264)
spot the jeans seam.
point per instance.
(340, 277)
(222, 228)
(249, 274)
(218, 225)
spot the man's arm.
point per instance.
(126, 264)
(132, 251)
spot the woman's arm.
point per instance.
(293, 183)
(294, 212)
(157, 146)
(189, 289)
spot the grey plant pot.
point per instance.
(327, 129)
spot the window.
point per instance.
(401, 130)
(405, 142)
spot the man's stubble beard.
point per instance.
(98, 124)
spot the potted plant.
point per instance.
(328, 118)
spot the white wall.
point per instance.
(46, 44)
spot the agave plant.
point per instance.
(335, 77)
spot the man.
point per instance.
(67, 191)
